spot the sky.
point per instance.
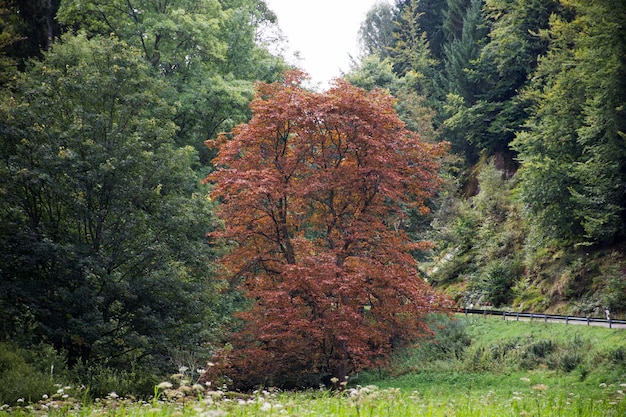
(323, 32)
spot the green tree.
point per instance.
(454, 16)
(102, 221)
(207, 51)
(462, 51)
(376, 31)
(428, 15)
(8, 36)
(35, 25)
(411, 105)
(460, 81)
(573, 149)
(486, 72)
(514, 44)
(411, 51)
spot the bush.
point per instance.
(618, 355)
(19, 379)
(542, 348)
(498, 279)
(449, 341)
(102, 380)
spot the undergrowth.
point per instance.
(470, 367)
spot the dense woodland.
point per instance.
(109, 237)
(530, 95)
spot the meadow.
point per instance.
(471, 367)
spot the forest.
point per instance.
(172, 192)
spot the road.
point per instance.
(547, 318)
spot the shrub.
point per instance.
(102, 380)
(19, 379)
(542, 348)
(618, 355)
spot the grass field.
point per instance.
(472, 367)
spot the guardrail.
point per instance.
(545, 317)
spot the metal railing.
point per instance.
(545, 317)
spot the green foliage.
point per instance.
(207, 52)
(483, 241)
(539, 83)
(21, 379)
(376, 31)
(448, 344)
(103, 221)
(611, 281)
(102, 379)
(411, 50)
(461, 52)
(26, 30)
(573, 152)
(497, 281)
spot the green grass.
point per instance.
(509, 369)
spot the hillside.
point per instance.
(489, 255)
(531, 97)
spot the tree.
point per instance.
(314, 191)
(101, 221)
(411, 51)
(34, 22)
(207, 52)
(376, 31)
(429, 16)
(487, 66)
(572, 149)
(462, 50)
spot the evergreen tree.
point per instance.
(462, 51)
(429, 16)
(454, 16)
(411, 52)
(376, 31)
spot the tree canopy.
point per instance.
(314, 192)
(102, 255)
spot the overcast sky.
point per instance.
(324, 32)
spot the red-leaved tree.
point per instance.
(314, 191)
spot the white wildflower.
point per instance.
(164, 385)
(214, 413)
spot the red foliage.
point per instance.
(314, 190)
